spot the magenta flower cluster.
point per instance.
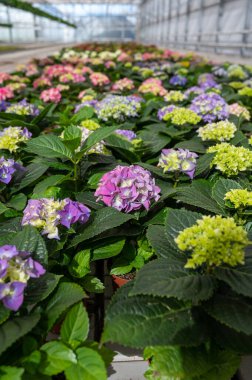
(128, 188)
(16, 268)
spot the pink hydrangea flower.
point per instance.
(4, 77)
(128, 188)
(52, 95)
(99, 79)
(6, 93)
(154, 86)
(42, 82)
(123, 84)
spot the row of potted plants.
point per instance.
(139, 160)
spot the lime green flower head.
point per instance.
(236, 71)
(246, 91)
(178, 115)
(237, 85)
(213, 241)
(221, 131)
(239, 197)
(90, 124)
(230, 159)
(175, 96)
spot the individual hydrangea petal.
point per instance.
(12, 294)
(8, 251)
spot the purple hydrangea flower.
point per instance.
(4, 105)
(87, 103)
(7, 252)
(194, 90)
(127, 188)
(129, 135)
(210, 107)
(163, 111)
(16, 267)
(206, 81)
(23, 108)
(74, 212)
(7, 168)
(178, 80)
(178, 160)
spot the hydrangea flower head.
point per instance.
(246, 91)
(178, 80)
(123, 84)
(213, 241)
(42, 81)
(230, 159)
(99, 79)
(152, 86)
(118, 107)
(210, 107)
(16, 268)
(90, 124)
(52, 95)
(220, 131)
(127, 188)
(238, 110)
(7, 168)
(4, 77)
(23, 108)
(6, 93)
(126, 133)
(174, 96)
(178, 115)
(206, 81)
(178, 160)
(11, 137)
(47, 214)
(240, 198)
(236, 71)
(98, 148)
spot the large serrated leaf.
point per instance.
(33, 172)
(49, 146)
(199, 194)
(29, 240)
(165, 279)
(47, 182)
(96, 137)
(140, 321)
(58, 358)
(67, 294)
(40, 288)
(76, 325)
(232, 311)
(105, 219)
(221, 187)
(14, 329)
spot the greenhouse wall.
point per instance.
(219, 26)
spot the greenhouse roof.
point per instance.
(136, 2)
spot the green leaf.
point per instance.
(15, 328)
(90, 366)
(105, 219)
(199, 194)
(66, 295)
(75, 327)
(3, 208)
(40, 288)
(18, 202)
(33, 172)
(42, 115)
(232, 311)
(97, 136)
(72, 137)
(203, 164)
(83, 114)
(58, 358)
(194, 145)
(87, 197)
(29, 240)
(153, 139)
(140, 321)
(238, 278)
(123, 147)
(11, 373)
(92, 284)
(80, 265)
(4, 313)
(126, 261)
(221, 187)
(109, 250)
(53, 180)
(48, 146)
(177, 221)
(165, 279)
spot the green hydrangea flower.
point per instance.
(246, 91)
(221, 131)
(236, 71)
(175, 96)
(230, 159)
(90, 124)
(213, 241)
(180, 116)
(239, 197)
(237, 85)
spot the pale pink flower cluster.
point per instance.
(123, 84)
(99, 79)
(42, 82)
(4, 77)
(52, 95)
(6, 93)
(71, 77)
(238, 110)
(55, 71)
(153, 86)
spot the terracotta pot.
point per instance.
(119, 281)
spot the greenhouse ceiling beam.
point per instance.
(27, 7)
(120, 2)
